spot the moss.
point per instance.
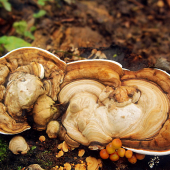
(19, 168)
(45, 159)
(3, 149)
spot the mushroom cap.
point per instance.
(53, 128)
(22, 93)
(25, 55)
(93, 163)
(18, 145)
(34, 167)
(8, 125)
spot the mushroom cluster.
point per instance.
(104, 101)
(29, 83)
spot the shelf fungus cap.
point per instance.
(23, 73)
(18, 145)
(26, 55)
(8, 125)
(153, 137)
(105, 71)
(135, 110)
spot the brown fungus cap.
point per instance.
(104, 71)
(9, 125)
(25, 55)
(26, 74)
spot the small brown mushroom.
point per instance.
(92, 163)
(67, 166)
(18, 145)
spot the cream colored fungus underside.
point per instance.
(94, 122)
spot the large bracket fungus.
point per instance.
(27, 74)
(133, 106)
(104, 100)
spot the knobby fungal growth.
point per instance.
(104, 101)
(29, 84)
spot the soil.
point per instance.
(133, 32)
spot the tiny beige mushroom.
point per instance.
(53, 128)
(63, 146)
(34, 167)
(59, 154)
(81, 166)
(18, 145)
(42, 138)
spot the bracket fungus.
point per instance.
(104, 100)
(27, 74)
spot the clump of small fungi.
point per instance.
(114, 151)
(63, 148)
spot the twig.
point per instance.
(137, 3)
